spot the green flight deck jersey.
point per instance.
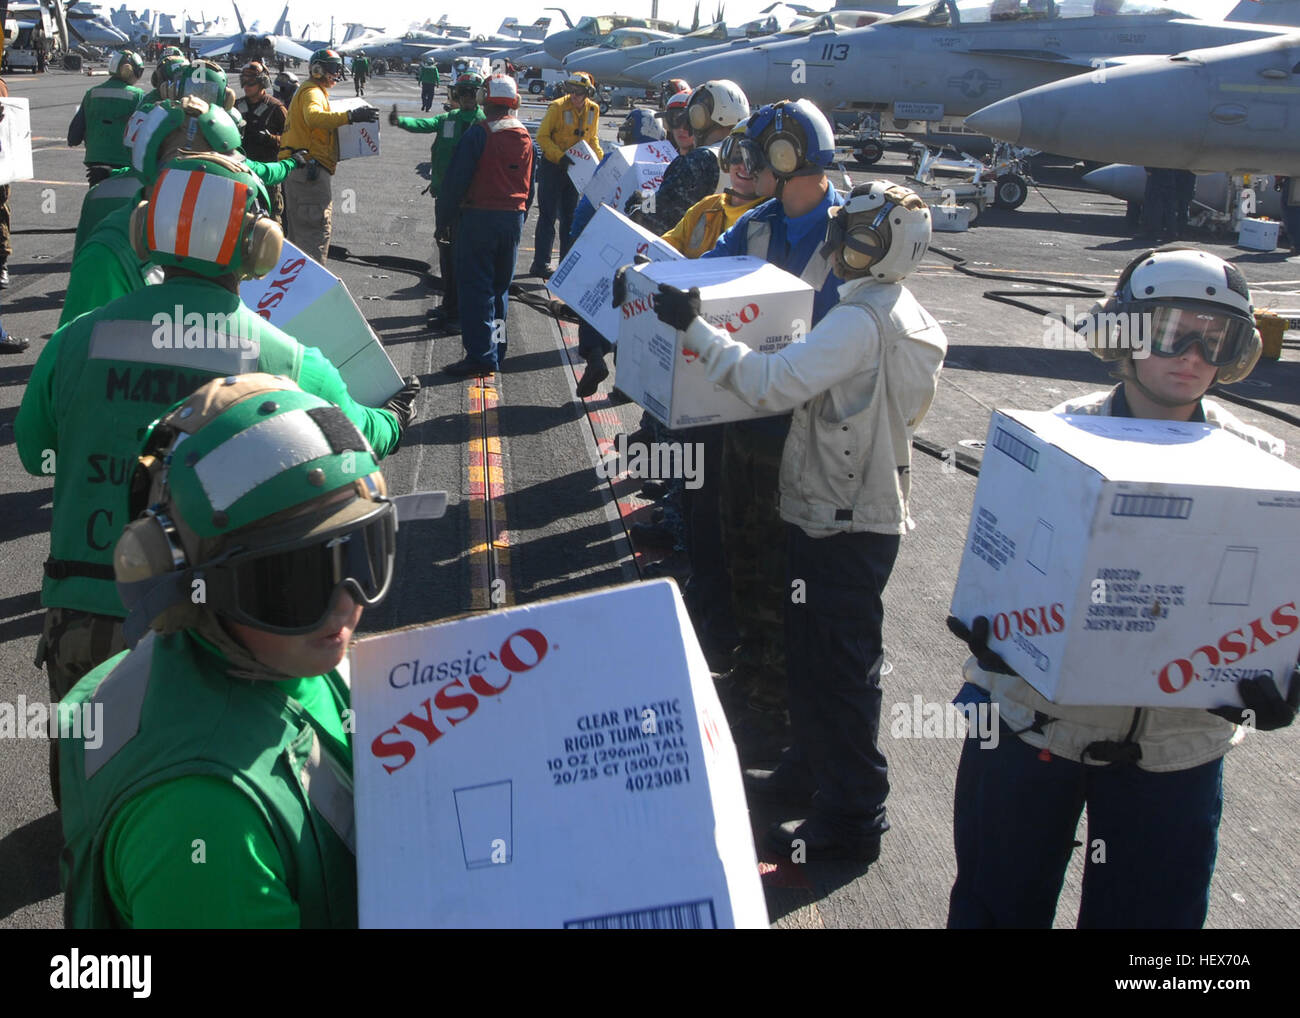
(449, 127)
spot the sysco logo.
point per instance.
(1040, 621)
(1231, 647)
(458, 699)
(279, 288)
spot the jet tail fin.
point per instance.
(1266, 12)
(238, 17)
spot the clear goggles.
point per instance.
(291, 588)
(736, 148)
(1172, 330)
(465, 91)
(211, 92)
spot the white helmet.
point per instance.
(718, 103)
(882, 231)
(500, 89)
(1180, 296)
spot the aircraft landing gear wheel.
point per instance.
(536, 87)
(974, 211)
(1010, 192)
(868, 153)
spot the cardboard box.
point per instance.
(755, 301)
(628, 168)
(313, 306)
(583, 167)
(1258, 234)
(356, 141)
(585, 277)
(16, 142)
(510, 771)
(950, 218)
(1133, 562)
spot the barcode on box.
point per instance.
(566, 266)
(691, 915)
(1019, 451)
(1161, 507)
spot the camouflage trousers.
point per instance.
(5, 249)
(72, 643)
(753, 539)
(276, 193)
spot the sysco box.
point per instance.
(1133, 562)
(511, 772)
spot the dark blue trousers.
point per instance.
(487, 243)
(833, 653)
(556, 196)
(1151, 842)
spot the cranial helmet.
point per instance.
(1179, 296)
(168, 72)
(794, 137)
(266, 499)
(716, 104)
(499, 90)
(125, 66)
(255, 73)
(882, 231)
(325, 63)
(191, 125)
(580, 81)
(207, 213)
(207, 81)
(640, 126)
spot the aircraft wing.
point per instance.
(287, 47)
(221, 48)
(1084, 61)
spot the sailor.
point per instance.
(787, 147)
(309, 204)
(572, 118)
(1151, 778)
(676, 123)
(101, 118)
(447, 128)
(360, 71)
(169, 69)
(712, 111)
(429, 81)
(234, 722)
(265, 118)
(490, 183)
(105, 375)
(858, 384)
(638, 128)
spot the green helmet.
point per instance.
(172, 51)
(264, 498)
(125, 66)
(326, 63)
(206, 81)
(168, 72)
(206, 213)
(190, 125)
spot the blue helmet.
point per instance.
(794, 137)
(639, 127)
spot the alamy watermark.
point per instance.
(656, 461)
(1114, 330)
(37, 720)
(182, 330)
(921, 720)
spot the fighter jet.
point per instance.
(590, 31)
(617, 41)
(1233, 108)
(411, 45)
(1128, 183)
(253, 44)
(87, 23)
(506, 42)
(655, 66)
(949, 58)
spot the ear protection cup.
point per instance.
(863, 247)
(263, 241)
(135, 230)
(1096, 324)
(699, 115)
(148, 547)
(230, 99)
(782, 148)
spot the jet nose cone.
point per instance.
(999, 120)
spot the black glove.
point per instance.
(392, 117)
(677, 308)
(403, 404)
(1265, 709)
(565, 162)
(364, 115)
(300, 156)
(977, 639)
(619, 294)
